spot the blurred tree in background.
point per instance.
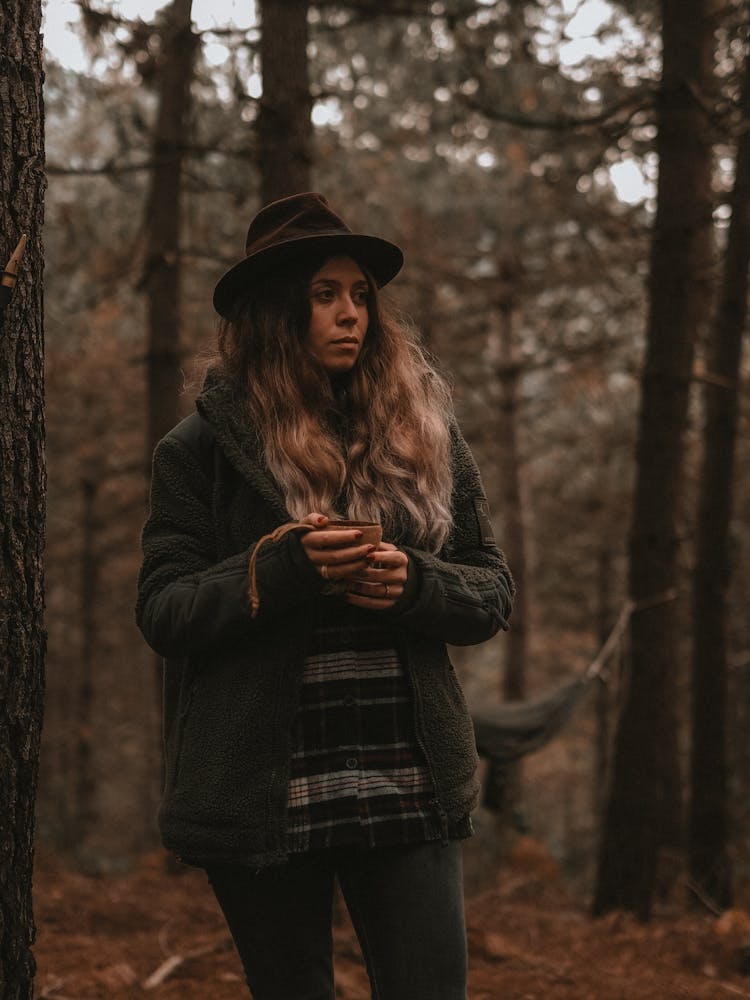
(284, 128)
(645, 803)
(709, 817)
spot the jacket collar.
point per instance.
(223, 407)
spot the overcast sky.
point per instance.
(63, 43)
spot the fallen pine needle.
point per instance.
(734, 989)
(50, 988)
(169, 965)
(163, 972)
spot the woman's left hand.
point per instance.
(382, 583)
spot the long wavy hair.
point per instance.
(373, 444)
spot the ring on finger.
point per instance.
(387, 590)
(324, 571)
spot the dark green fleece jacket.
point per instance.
(231, 682)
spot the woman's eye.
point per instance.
(325, 295)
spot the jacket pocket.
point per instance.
(445, 721)
(177, 699)
(225, 742)
(182, 720)
(465, 724)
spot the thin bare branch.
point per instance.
(113, 169)
(638, 101)
(364, 11)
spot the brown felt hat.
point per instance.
(302, 223)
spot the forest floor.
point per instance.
(152, 933)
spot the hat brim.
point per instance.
(383, 260)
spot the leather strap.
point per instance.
(273, 536)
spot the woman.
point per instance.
(314, 727)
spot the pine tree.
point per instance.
(22, 484)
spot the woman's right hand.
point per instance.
(335, 554)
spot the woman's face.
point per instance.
(338, 314)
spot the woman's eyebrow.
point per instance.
(359, 283)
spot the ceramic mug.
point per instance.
(372, 532)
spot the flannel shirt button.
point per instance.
(351, 763)
(349, 700)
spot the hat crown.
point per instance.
(293, 218)
(291, 227)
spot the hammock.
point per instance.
(506, 733)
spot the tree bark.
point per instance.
(284, 124)
(163, 265)
(509, 373)
(644, 803)
(22, 484)
(84, 791)
(504, 789)
(163, 216)
(602, 698)
(710, 866)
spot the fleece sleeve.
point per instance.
(462, 595)
(187, 601)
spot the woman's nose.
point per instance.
(348, 310)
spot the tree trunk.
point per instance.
(509, 372)
(710, 868)
(163, 264)
(503, 786)
(84, 791)
(284, 125)
(508, 368)
(22, 484)
(644, 799)
(602, 698)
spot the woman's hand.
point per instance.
(382, 583)
(336, 555)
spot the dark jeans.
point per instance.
(406, 905)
